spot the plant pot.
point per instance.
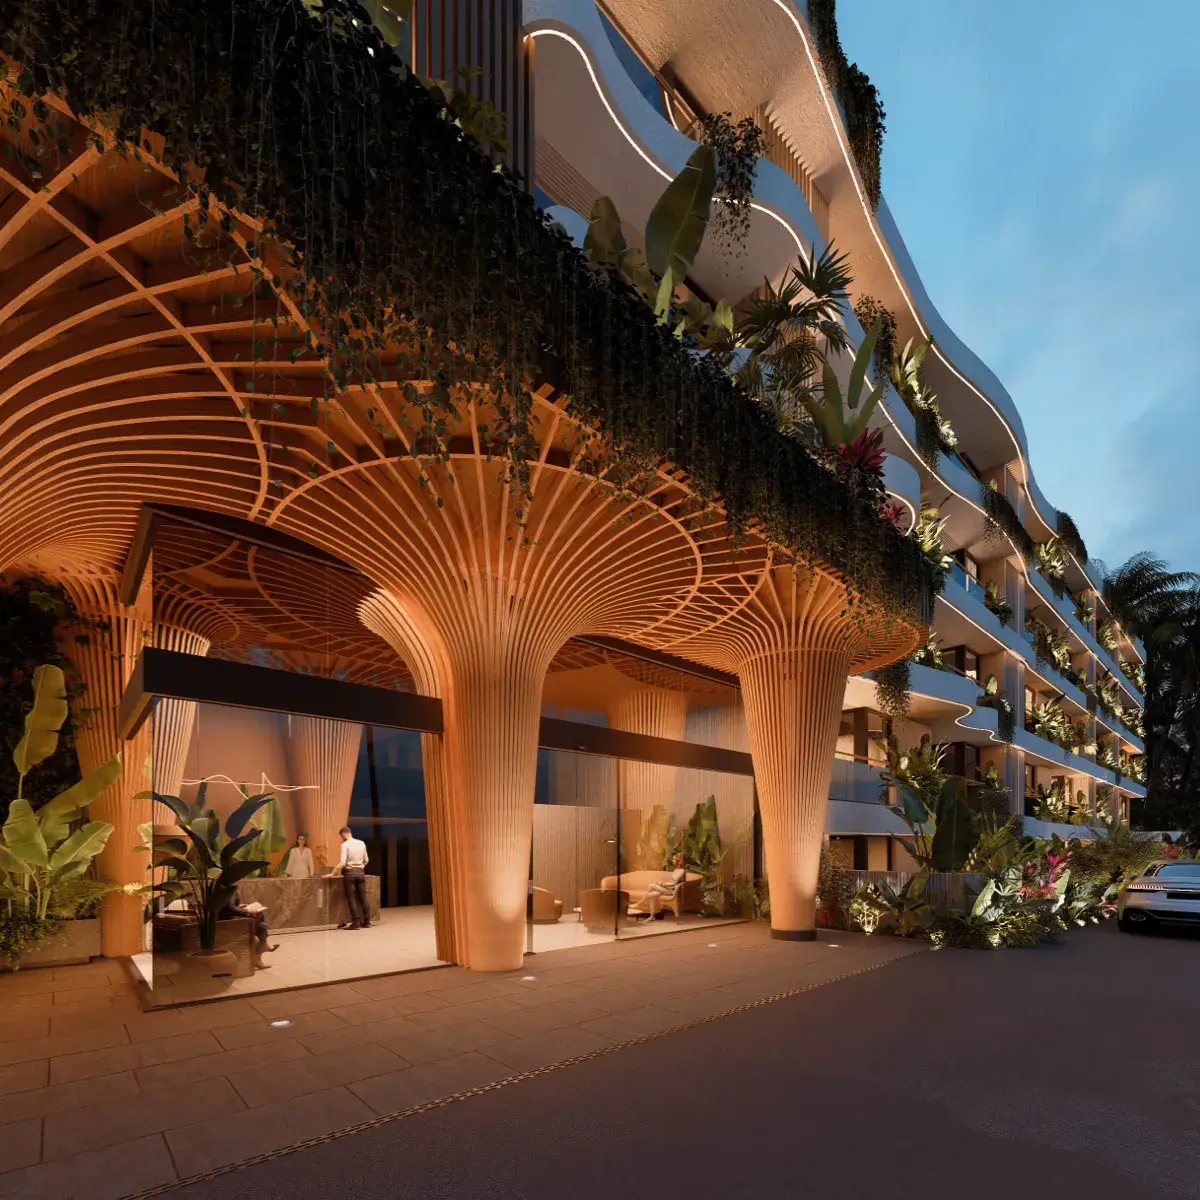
(75, 942)
(207, 964)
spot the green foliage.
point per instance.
(891, 689)
(46, 852)
(1069, 534)
(789, 333)
(935, 434)
(870, 312)
(929, 533)
(33, 616)
(1106, 635)
(1084, 610)
(1006, 721)
(930, 654)
(840, 419)
(700, 844)
(1051, 559)
(205, 865)
(880, 908)
(1002, 518)
(997, 603)
(1117, 859)
(1051, 723)
(22, 931)
(392, 223)
(934, 807)
(861, 106)
(750, 897)
(738, 147)
(480, 120)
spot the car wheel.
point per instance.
(1126, 926)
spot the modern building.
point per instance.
(620, 86)
(522, 680)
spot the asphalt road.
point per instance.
(1065, 1071)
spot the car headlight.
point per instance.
(1146, 887)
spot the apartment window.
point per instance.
(970, 665)
(1030, 701)
(970, 566)
(1030, 780)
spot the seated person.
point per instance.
(261, 933)
(656, 893)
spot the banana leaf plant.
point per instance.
(45, 853)
(943, 833)
(674, 234)
(204, 866)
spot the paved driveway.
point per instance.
(1066, 1071)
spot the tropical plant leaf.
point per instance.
(56, 815)
(23, 837)
(82, 846)
(44, 719)
(230, 850)
(676, 225)
(956, 833)
(605, 240)
(236, 821)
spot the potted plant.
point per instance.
(204, 868)
(46, 853)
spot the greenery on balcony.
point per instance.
(1006, 719)
(396, 229)
(861, 106)
(1051, 560)
(996, 602)
(1070, 536)
(935, 434)
(1084, 610)
(738, 146)
(870, 312)
(1001, 518)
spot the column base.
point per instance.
(794, 935)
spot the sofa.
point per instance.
(636, 883)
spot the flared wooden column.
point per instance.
(479, 788)
(104, 655)
(793, 698)
(174, 720)
(324, 756)
(655, 712)
(792, 644)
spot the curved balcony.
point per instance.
(733, 59)
(599, 133)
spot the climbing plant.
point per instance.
(739, 146)
(861, 106)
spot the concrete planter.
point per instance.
(75, 942)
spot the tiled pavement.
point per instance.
(100, 1099)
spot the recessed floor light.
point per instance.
(833, 945)
(528, 978)
(712, 945)
(284, 1024)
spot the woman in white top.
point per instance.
(300, 860)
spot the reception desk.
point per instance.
(303, 905)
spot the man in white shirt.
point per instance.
(352, 867)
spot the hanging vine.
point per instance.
(739, 147)
(1069, 533)
(861, 106)
(387, 226)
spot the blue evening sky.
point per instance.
(1042, 160)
